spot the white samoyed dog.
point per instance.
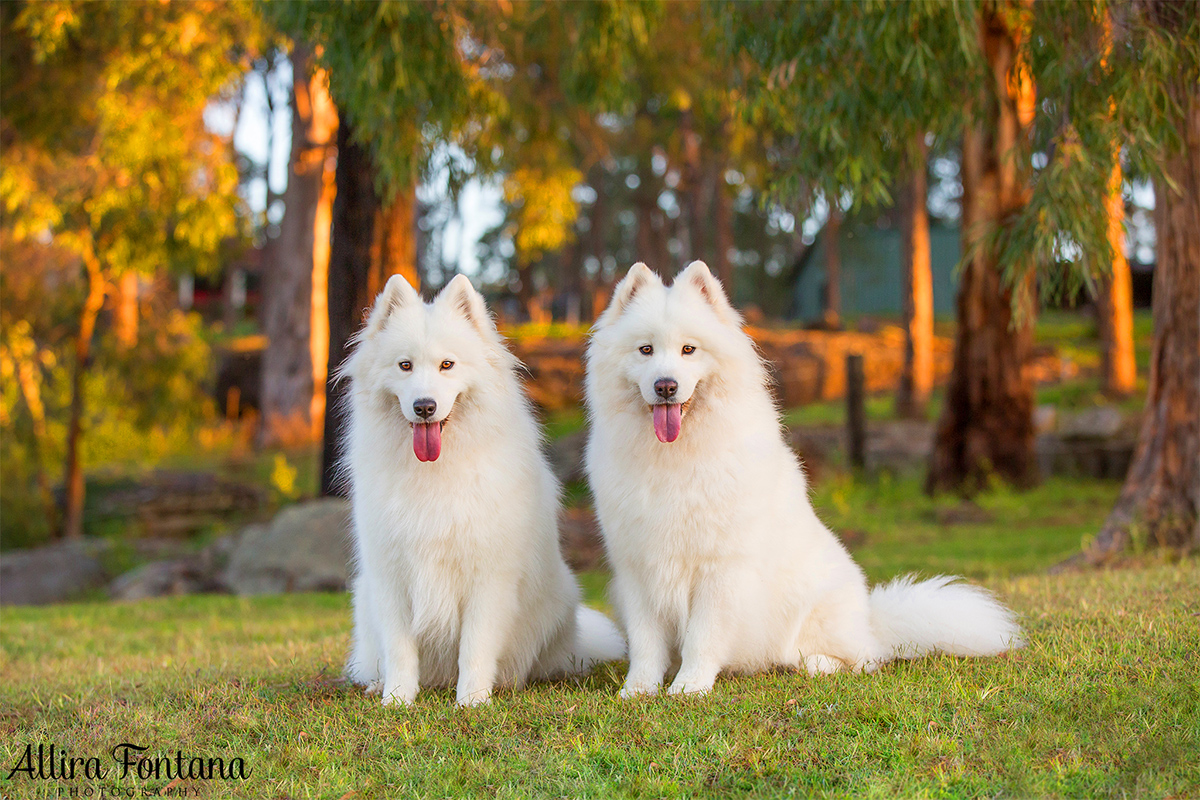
(719, 561)
(460, 579)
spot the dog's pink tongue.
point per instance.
(427, 440)
(667, 419)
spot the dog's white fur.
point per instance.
(459, 578)
(719, 560)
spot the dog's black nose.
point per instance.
(425, 407)
(666, 388)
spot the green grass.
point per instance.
(1105, 700)
(563, 422)
(1083, 393)
(1003, 532)
(829, 413)
(1069, 396)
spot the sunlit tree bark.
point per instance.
(916, 377)
(1160, 501)
(295, 314)
(986, 425)
(1114, 305)
(125, 313)
(73, 479)
(372, 240)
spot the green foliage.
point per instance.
(849, 88)
(106, 150)
(1099, 105)
(852, 86)
(395, 71)
(549, 70)
(142, 406)
(543, 210)
(109, 166)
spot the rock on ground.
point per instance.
(159, 578)
(306, 548)
(51, 574)
(1101, 422)
(566, 457)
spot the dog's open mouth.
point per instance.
(668, 420)
(427, 439)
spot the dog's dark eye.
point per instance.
(447, 364)
(405, 366)
(688, 349)
(645, 349)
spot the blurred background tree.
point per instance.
(1160, 500)
(1047, 100)
(400, 85)
(782, 143)
(117, 174)
(858, 94)
(295, 313)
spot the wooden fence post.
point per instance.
(856, 417)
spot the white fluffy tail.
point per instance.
(597, 640)
(912, 618)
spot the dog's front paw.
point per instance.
(397, 700)
(373, 688)
(397, 696)
(478, 697)
(821, 665)
(869, 666)
(690, 686)
(637, 689)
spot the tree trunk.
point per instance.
(1114, 305)
(595, 287)
(73, 467)
(723, 231)
(693, 209)
(125, 318)
(233, 293)
(527, 295)
(986, 425)
(319, 338)
(651, 236)
(916, 378)
(25, 367)
(394, 241)
(370, 243)
(293, 368)
(571, 271)
(833, 268)
(1160, 500)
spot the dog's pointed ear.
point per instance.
(397, 293)
(636, 280)
(461, 296)
(698, 276)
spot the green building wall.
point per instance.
(871, 273)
